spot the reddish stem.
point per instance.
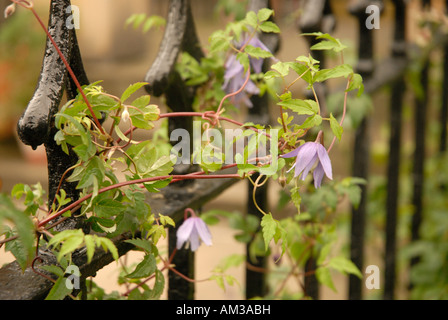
(234, 93)
(137, 181)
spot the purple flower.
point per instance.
(234, 76)
(306, 157)
(193, 231)
(255, 62)
(234, 79)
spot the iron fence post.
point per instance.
(365, 68)
(393, 169)
(179, 36)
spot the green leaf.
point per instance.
(233, 260)
(269, 26)
(141, 101)
(299, 251)
(296, 198)
(90, 246)
(264, 14)
(80, 130)
(343, 70)
(269, 228)
(122, 136)
(64, 235)
(143, 244)
(18, 190)
(58, 271)
(145, 268)
(107, 245)
(311, 122)
(23, 225)
(93, 170)
(155, 186)
(142, 117)
(100, 103)
(271, 75)
(164, 220)
(85, 151)
(219, 281)
(336, 127)
(329, 43)
(219, 42)
(136, 20)
(108, 208)
(323, 253)
(59, 290)
(300, 106)
(356, 83)
(344, 265)
(252, 19)
(148, 160)
(323, 275)
(243, 59)
(257, 52)
(131, 89)
(161, 167)
(71, 244)
(285, 96)
(16, 248)
(309, 62)
(153, 21)
(159, 285)
(156, 232)
(281, 67)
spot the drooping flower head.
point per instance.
(193, 231)
(234, 76)
(307, 155)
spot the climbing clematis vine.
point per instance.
(193, 231)
(307, 155)
(235, 77)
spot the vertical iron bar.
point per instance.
(393, 170)
(178, 98)
(36, 125)
(255, 281)
(361, 148)
(180, 35)
(421, 109)
(318, 17)
(179, 288)
(444, 106)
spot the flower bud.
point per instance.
(125, 115)
(282, 181)
(9, 11)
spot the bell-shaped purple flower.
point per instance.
(234, 76)
(193, 231)
(257, 63)
(306, 157)
(234, 79)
